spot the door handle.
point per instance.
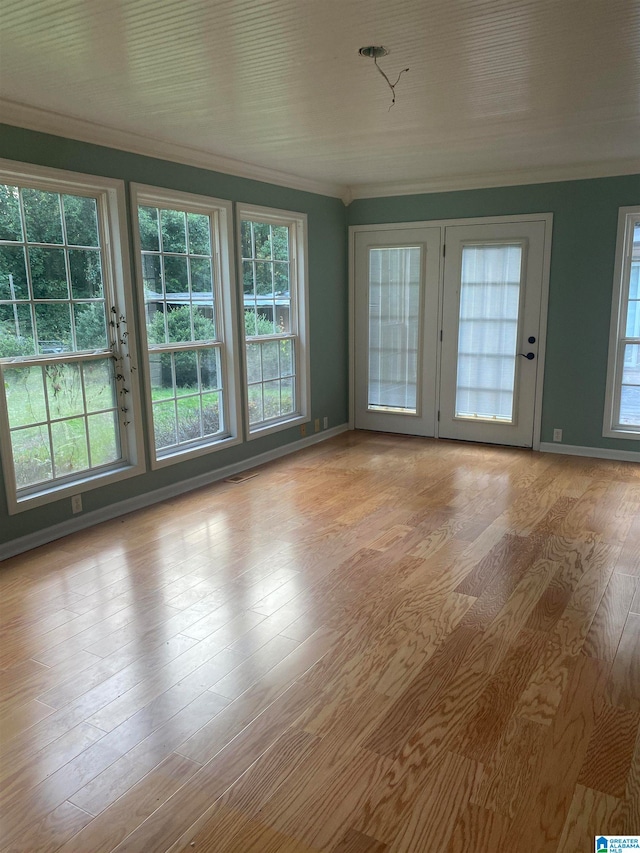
(527, 355)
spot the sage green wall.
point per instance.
(584, 236)
(585, 216)
(328, 302)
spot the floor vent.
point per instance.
(242, 477)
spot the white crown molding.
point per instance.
(592, 452)
(46, 121)
(544, 175)
(81, 522)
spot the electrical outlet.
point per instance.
(303, 430)
(325, 424)
(557, 435)
(76, 503)
(317, 425)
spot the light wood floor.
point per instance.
(378, 644)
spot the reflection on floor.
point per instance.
(377, 644)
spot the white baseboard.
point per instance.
(57, 531)
(595, 452)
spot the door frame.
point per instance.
(546, 218)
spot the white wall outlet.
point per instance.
(76, 503)
(325, 424)
(557, 435)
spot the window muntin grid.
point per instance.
(628, 408)
(63, 418)
(266, 277)
(490, 292)
(52, 296)
(393, 303)
(177, 274)
(187, 395)
(185, 347)
(271, 379)
(270, 323)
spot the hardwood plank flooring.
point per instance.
(381, 644)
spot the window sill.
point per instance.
(67, 490)
(619, 432)
(276, 426)
(192, 452)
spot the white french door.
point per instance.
(396, 311)
(448, 344)
(491, 330)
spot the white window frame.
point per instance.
(627, 217)
(111, 200)
(221, 213)
(299, 319)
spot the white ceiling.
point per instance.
(498, 90)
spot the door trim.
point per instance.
(547, 218)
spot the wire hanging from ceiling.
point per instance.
(373, 52)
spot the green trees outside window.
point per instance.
(270, 345)
(51, 277)
(183, 291)
(62, 371)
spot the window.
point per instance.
(273, 262)
(68, 407)
(394, 333)
(622, 409)
(183, 266)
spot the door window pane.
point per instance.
(394, 313)
(488, 332)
